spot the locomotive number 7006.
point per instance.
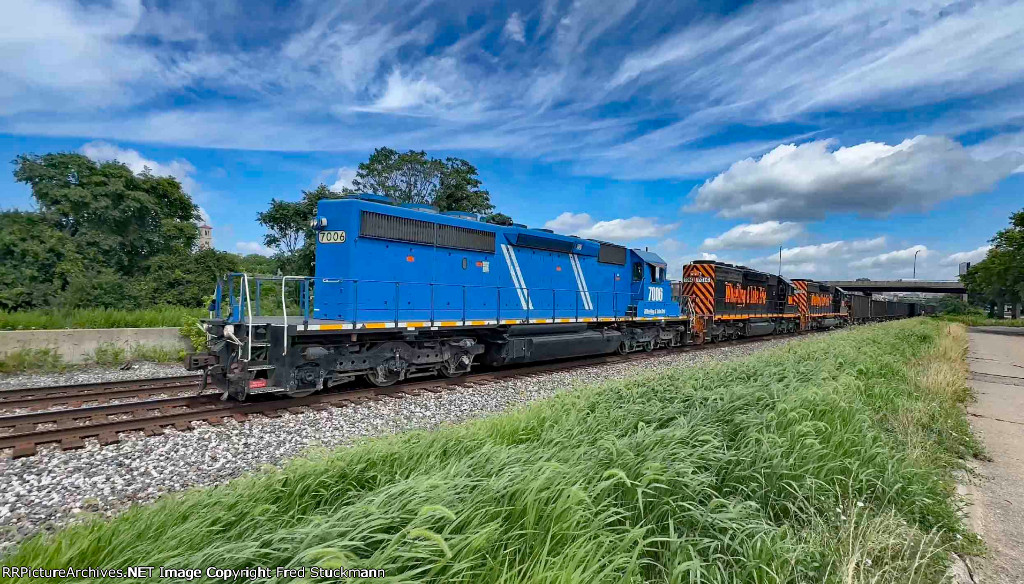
(331, 237)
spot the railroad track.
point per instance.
(69, 428)
(77, 395)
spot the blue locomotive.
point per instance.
(403, 291)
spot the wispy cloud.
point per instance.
(626, 89)
(515, 29)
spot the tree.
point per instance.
(498, 219)
(117, 218)
(459, 189)
(289, 230)
(37, 261)
(999, 278)
(411, 177)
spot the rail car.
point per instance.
(403, 291)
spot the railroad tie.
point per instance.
(107, 438)
(24, 449)
(72, 443)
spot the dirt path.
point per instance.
(996, 362)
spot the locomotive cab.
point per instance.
(651, 292)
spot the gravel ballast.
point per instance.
(53, 487)
(76, 376)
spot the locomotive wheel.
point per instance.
(448, 371)
(301, 392)
(649, 346)
(623, 349)
(383, 378)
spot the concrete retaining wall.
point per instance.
(76, 345)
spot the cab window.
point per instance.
(638, 272)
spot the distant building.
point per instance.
(205, 236)
(964, 266)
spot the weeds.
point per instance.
(107, 355)
(827, 460)
(111, 354)
(46, 360)
(164, 316)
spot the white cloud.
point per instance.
(806, 180)
(901, 258)
(344, 179)
(974, 256)
(671, 250)
(248, 247)
(746, 235)
(708, 256)
(179, 168)
(515, 28)
(627, 229)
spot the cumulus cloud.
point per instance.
(749, 235)
(900, 258)
(248, 247)
(344, 179)
(627, 229)
(974, 256)
(515, 28)
(806, 181)
(178, 168)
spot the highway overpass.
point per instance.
(872, 286)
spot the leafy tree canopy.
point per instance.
(999, 278)
(451, 184)
(118, 218)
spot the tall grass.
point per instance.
(828, 460)
(980, 320)
(163, 316)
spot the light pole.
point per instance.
(915, 263)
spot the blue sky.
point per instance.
(853, 134)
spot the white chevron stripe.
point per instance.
(581, 283)
(583, 279)
(512, 274)
(522, 282)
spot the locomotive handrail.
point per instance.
(529, 294)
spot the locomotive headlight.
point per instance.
(318, 223)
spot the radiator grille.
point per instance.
(383, 226)
(612, 254)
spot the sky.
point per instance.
(852, 134)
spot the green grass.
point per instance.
(980, 320)
(827, 460)
(164, 316)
